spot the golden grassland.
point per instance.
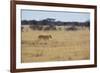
(64, 45)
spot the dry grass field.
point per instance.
(63, 46)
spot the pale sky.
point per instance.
(58, 15)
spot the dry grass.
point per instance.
(64, 45)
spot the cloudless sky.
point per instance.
(58, 15)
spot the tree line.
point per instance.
(52, 23)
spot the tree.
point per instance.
(44, 22)
(87, 23)
(48, 21)
(34, 22)
(24, 22)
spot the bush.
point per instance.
(71, 28)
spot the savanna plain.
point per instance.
(62, 46)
